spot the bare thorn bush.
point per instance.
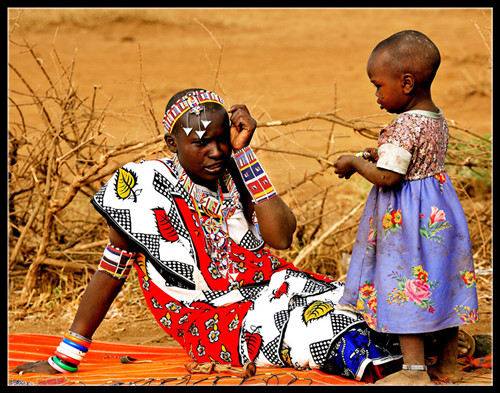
(60, 154)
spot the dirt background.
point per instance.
(282, 63)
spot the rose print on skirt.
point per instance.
(415, 289)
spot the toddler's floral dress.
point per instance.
(411, 269)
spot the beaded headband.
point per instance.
(191, 102)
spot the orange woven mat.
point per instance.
(153, 366)
(164, 366)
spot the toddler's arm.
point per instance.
(347, 164)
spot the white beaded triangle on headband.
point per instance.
(191, 102)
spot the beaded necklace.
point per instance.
(217, 212)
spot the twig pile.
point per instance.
(56, 164)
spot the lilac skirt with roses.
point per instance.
(411, 269)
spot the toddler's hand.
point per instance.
(343, 166)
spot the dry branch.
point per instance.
(298, 262)
(331, 117)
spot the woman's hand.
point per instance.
(41, 367)
(242, 126)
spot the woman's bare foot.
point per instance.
(449, 372)
(466, 344)
(406, 378)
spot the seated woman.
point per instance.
(196, 229)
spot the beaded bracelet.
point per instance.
(70, 352)
(56, 367)
(64, 366)
(256, 180)
(78, 339)
(75, 345)
(67, 358)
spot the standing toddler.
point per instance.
(411, 269)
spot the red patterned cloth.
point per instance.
(207, 333)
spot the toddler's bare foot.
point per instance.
(406, 378)
(450, 372)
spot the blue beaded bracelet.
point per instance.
(75, 345)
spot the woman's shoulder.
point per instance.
(149, 164)
(156, 173)
(163, 166)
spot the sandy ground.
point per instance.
(282, 63)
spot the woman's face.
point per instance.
(389, 85)
(204, 159)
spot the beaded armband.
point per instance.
(115, 262)
(254, 176)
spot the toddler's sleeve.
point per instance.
(395, 146)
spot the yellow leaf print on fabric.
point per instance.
(285, 355)
(125, 183)
(316, 310)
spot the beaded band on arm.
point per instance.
(255, 178)
(116, 262)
